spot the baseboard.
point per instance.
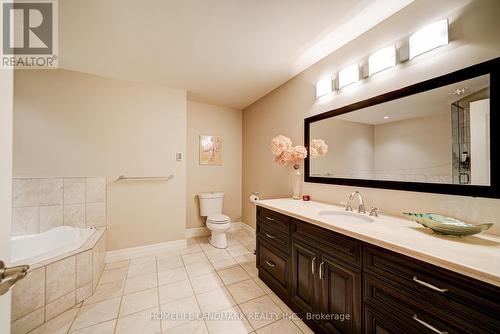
(133, 252)
(248, 228)
(194, 232)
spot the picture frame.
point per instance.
(210, 150)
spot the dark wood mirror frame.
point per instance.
(491, 67)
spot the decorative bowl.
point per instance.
(446, 225)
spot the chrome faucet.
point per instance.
(374, 212)
(361, 207)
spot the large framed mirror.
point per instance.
(440, 136)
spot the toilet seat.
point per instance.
(218, 219)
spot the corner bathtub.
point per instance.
(39, 247)
(65, 266)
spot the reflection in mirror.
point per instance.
(438, 136)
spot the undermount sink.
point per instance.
(346, 216)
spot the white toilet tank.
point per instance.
(211, 203)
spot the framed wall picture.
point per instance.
(210, 150)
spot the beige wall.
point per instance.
(72, 124)
(394, 151)
(6, 98)
(205, 119)
(352, 141)
(474, 35)
(420, 146)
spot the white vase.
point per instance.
(297, 182)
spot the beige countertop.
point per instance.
(476, 256)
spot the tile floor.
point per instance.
(201, 289)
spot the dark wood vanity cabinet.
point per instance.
(340, 294)
(339, 284)
(323, 285)
(304, 285)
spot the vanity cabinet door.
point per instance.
(377, 322)
(340, 296)
(305, 260)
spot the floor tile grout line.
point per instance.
(97, 323)
(121, 300)
(216, 271)
(74, 317)
(156, 271)
(265, 294)
(118, 316)
(107, 299)
(196, 298)
(236, 303)
(158, 292)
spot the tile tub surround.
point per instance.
(195, 280)
(56, 285)
(476, 256)
(39, 204)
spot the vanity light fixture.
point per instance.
(348, 75)
(386, 117)
(382, 60)
(323, 87)
(429, 37)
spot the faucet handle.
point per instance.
(374, 211)
(348, 206)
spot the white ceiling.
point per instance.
(226, 52)
(430, 102)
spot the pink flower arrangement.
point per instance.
(318, 148)
(280, 144)
(285, 153)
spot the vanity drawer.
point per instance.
(272, 235)
(378, 322)
(274, 262)
(402, 307)
(341, 247)
(456, 294)
(277, 220)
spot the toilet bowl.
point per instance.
(211, 207)
(219, 225)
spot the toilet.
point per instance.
(219, 224)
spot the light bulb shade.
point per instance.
(323, 87)
(348, 75)
(429, 37)
(382, 59)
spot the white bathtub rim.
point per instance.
(48, 255)
(88, 245)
